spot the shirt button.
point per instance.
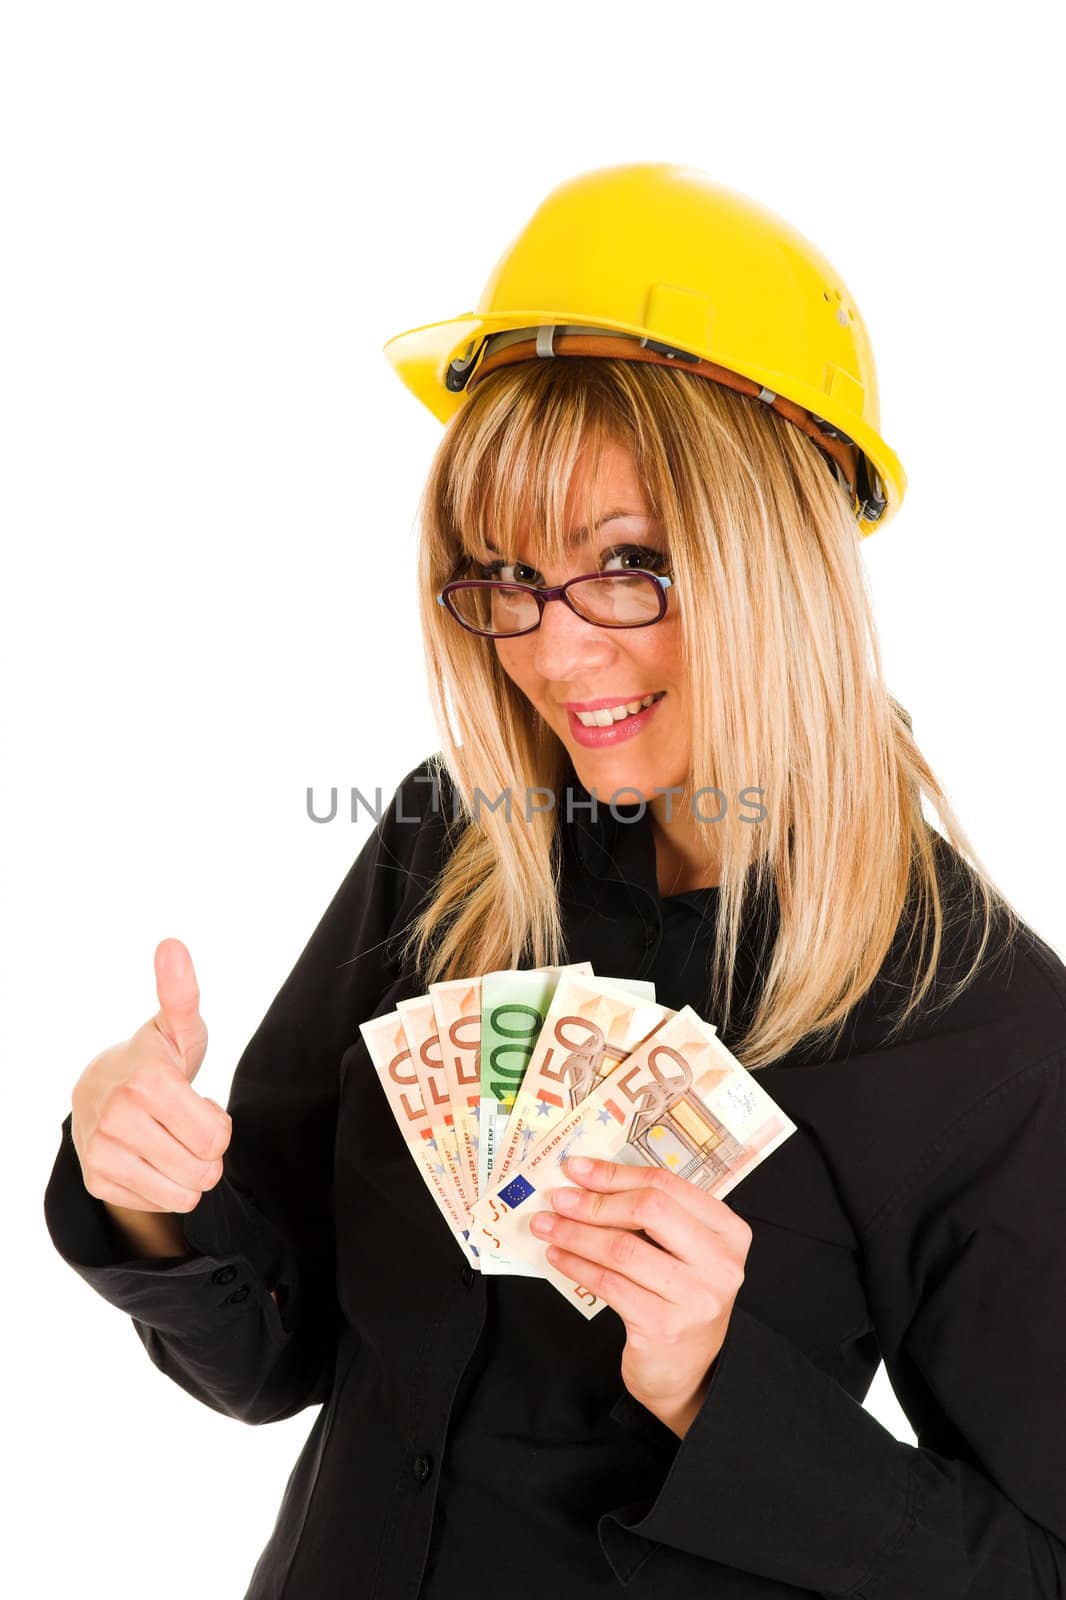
(423, 1466)
(224, 1275)
(237, 1296)
(468, 1276)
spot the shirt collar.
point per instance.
(616, 858)
(616, 844)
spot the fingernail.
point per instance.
(542, 1223)
(565, 1199)
(578, 1165)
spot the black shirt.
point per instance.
(475, 1439)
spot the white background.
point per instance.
(214, 216)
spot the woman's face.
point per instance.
(568, 664)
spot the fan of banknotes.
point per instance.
(495, 1080)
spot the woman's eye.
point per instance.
(638, 555)
(509, 572)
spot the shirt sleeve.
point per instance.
(209, 1320)
(784, 1475)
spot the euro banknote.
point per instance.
(514, 1004)
(591, 1024)
(419, 1021)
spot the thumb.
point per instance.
(179, 1018)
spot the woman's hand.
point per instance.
(146, 1140)
(674, 1288)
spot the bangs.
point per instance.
(526, 432)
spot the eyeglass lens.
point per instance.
(623, 599)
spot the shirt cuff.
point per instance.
(781, 1474)
(237, 1262)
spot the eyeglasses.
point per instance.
(606, 599)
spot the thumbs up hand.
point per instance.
(146, 1140)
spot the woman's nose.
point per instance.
(565, 646)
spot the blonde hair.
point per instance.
(783, 674)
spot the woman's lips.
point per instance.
(617, 733)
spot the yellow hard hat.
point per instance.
(653, 261)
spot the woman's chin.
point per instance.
(611, 769)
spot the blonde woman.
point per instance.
(667, 747)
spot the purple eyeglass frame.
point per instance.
(542, 597)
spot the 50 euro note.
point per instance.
(680, 1101)
(390, 1052)
(419, 1020)
(456, 1005)
(514, 1003)
(591, 1024)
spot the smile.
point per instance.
(606, 715)
(613, 724)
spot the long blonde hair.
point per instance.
(782, 669)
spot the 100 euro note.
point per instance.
(680, 1101)
(591, 1024)
(514, 1003)
(390, 1053)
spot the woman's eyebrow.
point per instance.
(578, 536)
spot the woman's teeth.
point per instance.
(604, 718)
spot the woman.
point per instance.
(686, 538)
